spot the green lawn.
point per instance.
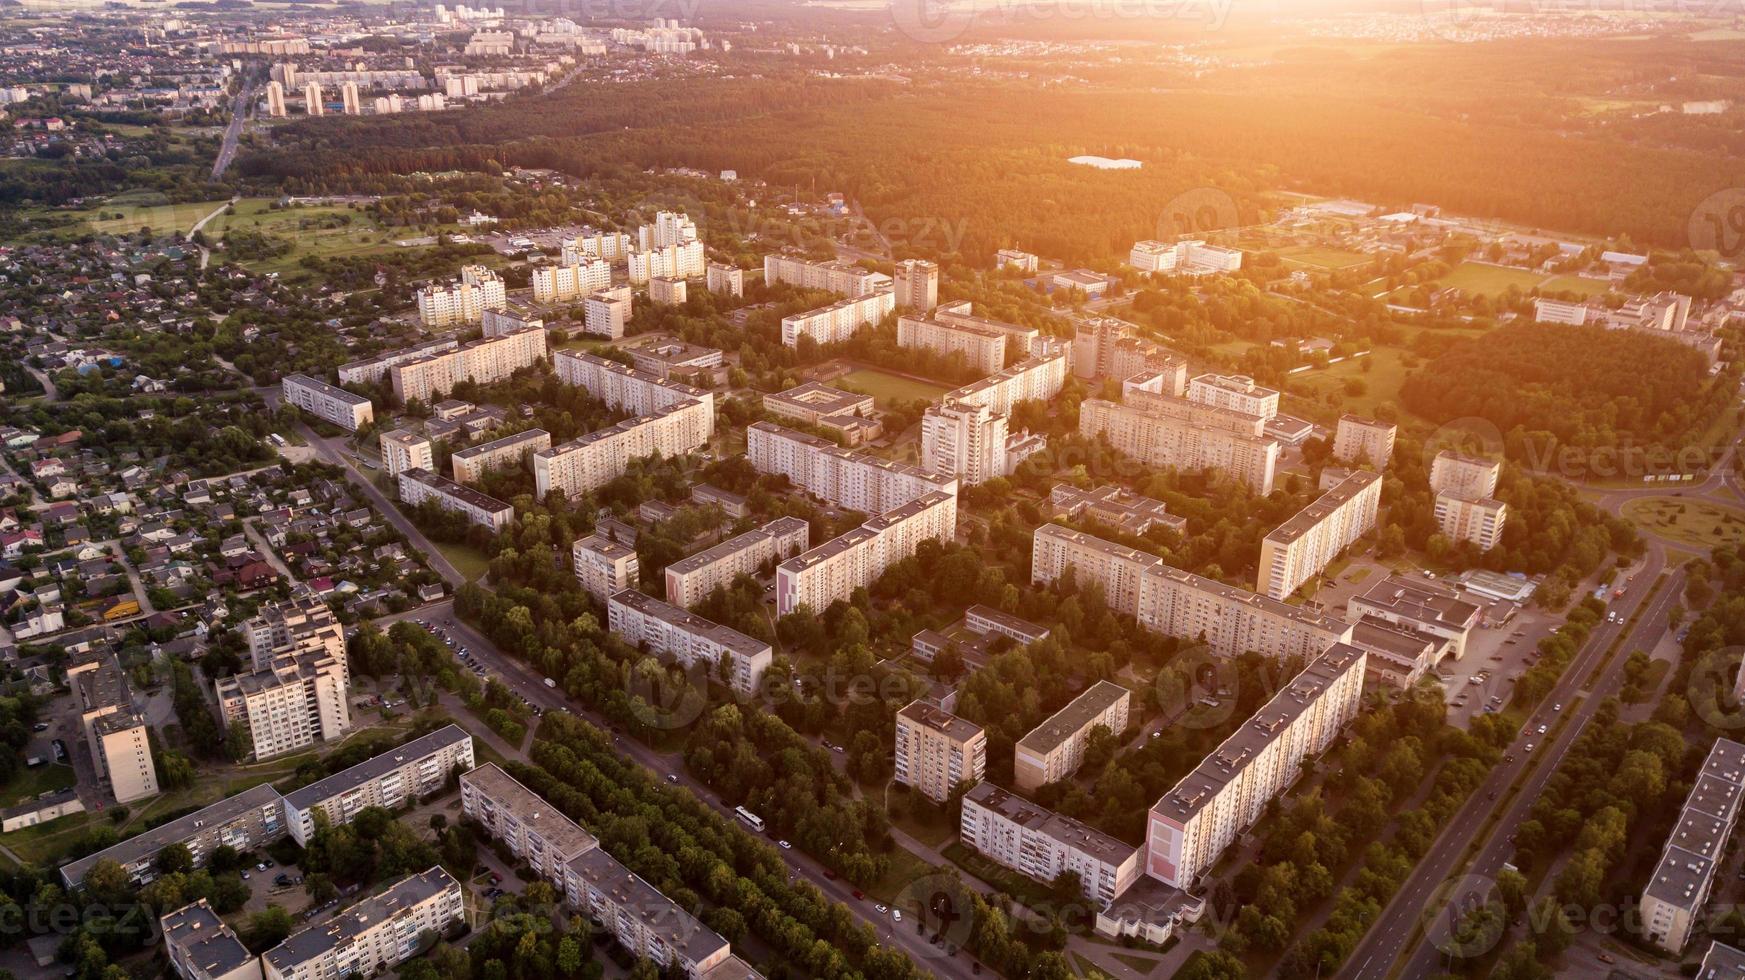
(142, 211)
(1324, 258)
(1690, 520)
(1576, 284)
(33, 782)
(469, 561)
(1326, 387)
(886, 387)
(1489, 280)
(305, 228)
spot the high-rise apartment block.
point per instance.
(837, 277)
(298, 699)
(202, 947)
(275, 100)
(1162, 430)
(1043, 845)
(567, 283)
(1190, 258)
(967, 441)
(954, 329)
(590, 462)
(511, 451)
(1301, 547)
(604, 566)
(463, 301)
(1460, 475)
(840, 320)
(1465, 507)
(917, 285)
(936, 750)
(403, 449)
(726, 279)
(348, 97)
(669, 228)
(373, 369)
(324, 401)
(666, 291)
(605, 313)
(685, 261)
(532, 829)
(855, 560)
(690, 580)
(1105, 347)
(1037, 378)
(420, 486)
(848, 479)
(1189, 828)
(1360, 440)
(401, 775)
(484, 361)
(1672, 902)
(114, 729)
(374, 935)
(314, 102)
(659, 627)
(502, 322)
(1236, 392)
(631, 389)
(1055, 749)
(608, 245)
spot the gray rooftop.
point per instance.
(207, 942)
(1722, 962)
(486, 448)
(531, 809)
(448, 488)
(408, 892)
(1681, 879)
(1063, 829)
(322, 387)
(1070, 720)
(1323, 507)
(1423, 602)
(944, 722)
(143, 847)
(370, 769)
(642, 901)
(731, 639)
(739, 542)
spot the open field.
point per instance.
(1327, 398)
(1323, 258)
(1489, 280)
(467, 560)
(323, 231)
(1576, 284)
(33, 782)
(887, 387)
(147, 212)
(1688, 520)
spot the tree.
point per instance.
(173, 859)
(267, 928)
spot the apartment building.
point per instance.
(684, 261)
(484, 361)
(1055, 749)
(1189, 828)
(1459, 475)
(570, 282)
(370, 370)
(1359, 440)
(726, 279)
(646, 922)
(953, 329)
(511, 451)
(604, 566)
(1722, 962)
(201, 947)
(631, 389)
(855, 560)
(917, 285)
(250, 819)
(324, 401)
(966, 441)
(532, 829)
(605, 313)
(813, 402)
(1020, 261)
(690, 580)
(1039, 377)
(1188, 257)
(1672, 903)
(665, 358)
(302, 624)
(848, 479)
(401, 775)
(936, 750)
(1042, 845)
(837, 277)
(666, 291)
(661, 628)
(461, 301)
(1236, 392)
(590, 462)
(1560, 311)
(1181, 442)
(502, 322)
(608, 245)
(403, 449)
(1106, 347)
(420, 486)
(839, 321)
(1114, 507)
(297, 701)
(1300, 548)
(1178, 603)
(114, 730)
(1479, 522)
(374, 935)
(1419, 605)
(1398, 656)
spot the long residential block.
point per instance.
(374, 935)
(324, 401)
(370, 370)
(472, 462)
(1162, 430)
(1672, 902)
(405, 773)
(627, 388)
(839, 321)
(566, 283)
(488, 360)
(1301, 547)
(837, 277)
(1190, 827)
(250, 819)
(1055, 749)
(855, 560)
(532, 829)
(954, 329)
(590, 462)
(854, 480)
(690, 580)
(418, 486)
(659, 627)
(1043, 845)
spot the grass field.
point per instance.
(146, 212)
(1489, 280)
(886, 387)
(1688, 520)
(1381, 386)
(1576, 284)
(353, 232)
(1324, 258)
(467, 560)
(33, 782)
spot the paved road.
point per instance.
(206, 253)
(527, 683)
(239, 113)
(1385, 942)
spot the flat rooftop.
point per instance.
(1007, 621)
(1722, 962)
(206, 941)
(1681, 878)
(739, 542)
(137, 849)
(937, 719)
(1421, 602)
(639, 900)
(323, 388)
(1057, 827)
(724, 636)
(506, 442)
(1072, 719)
(815, 396)
(374, 768)
(448, 488)
(531, 809)
(346, 926)
(606, 547)
(1323, 507)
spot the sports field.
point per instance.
(1576, 284)
(887, 387)
(1324, 258)
(1489, 280)
(1688, 520)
